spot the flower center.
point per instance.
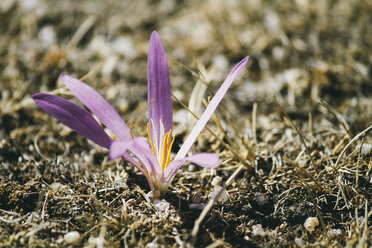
(164, 152)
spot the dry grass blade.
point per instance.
(221, 128)
(254, 122)
(227, 146)
(92, 72)
(349, 144)
(317, 183)
(62, 90)
(297, 131)
(200, 76)
(81, 31)
(338, 116)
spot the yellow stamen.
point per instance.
(131, 134)
(149, 175)
(163, 155)
(152, 143)
(169, 153)
(168, 139)
(166, 148)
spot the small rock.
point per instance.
(334, 232)
(47, 36)
(199, 206)
(224, 196)
(55, 186)
(72, 238)
(311, 223)
(299, 241)
(365, 150)
(257, 230)
(97, 242)
(216, 181)
(161, 205)
(153, 244)
(125, 46)
(260, 198)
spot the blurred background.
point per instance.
(300, 50)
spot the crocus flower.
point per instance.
(152, 158)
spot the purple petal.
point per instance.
(119, 149)
(210, 109)
(73, 116)
(98, 105)
(207, 160)
(140, 150)
(159, 92)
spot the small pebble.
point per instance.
(161, 205)
(216, 181)
(334, 232)
(55, 186)
(153, 244)
(72, 238)
(199, 206)
(97, 242)
(260, 198)
(257, 230)
(224, 196)
(47, 36)
(299, 241)
(366, 149)
(311, 223)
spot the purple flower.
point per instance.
(154, 159)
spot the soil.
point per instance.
(306, 152)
